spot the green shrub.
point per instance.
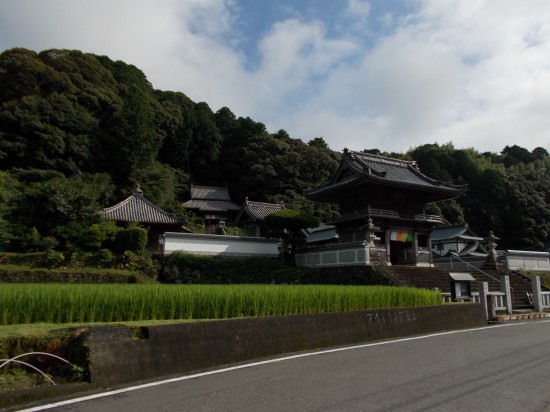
(24, 239)
(143, 263)
(103, 258)
(27, 259)
(52, 259)
(292, 220)
(133, 239)
(99, 234)
(233, 231)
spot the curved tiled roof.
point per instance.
(365, 167)
(137, 208)
(388, 169)
(259, 210)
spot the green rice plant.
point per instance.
(69, 303)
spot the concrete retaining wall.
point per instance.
(339, 255)
(117, 356)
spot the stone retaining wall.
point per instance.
(117, 355)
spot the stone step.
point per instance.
(430, 278)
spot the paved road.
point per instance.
(505, 368)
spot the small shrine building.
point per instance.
(214, 204)
(252, 215)
(136, 208)
(381, 203)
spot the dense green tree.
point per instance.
(239, 137)
(205, 145)
(45, 126)
(161, 184)
(513, 155)
(539, 153)
(176, 124)
(60, 207)
(64, 113)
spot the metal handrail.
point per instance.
(473, 267)
(486, 274)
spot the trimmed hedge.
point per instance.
(22, 274)
(182, 267)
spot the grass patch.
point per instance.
(38, 330)
(17, 378)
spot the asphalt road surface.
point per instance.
(500, 368)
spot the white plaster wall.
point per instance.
(224, 245)
(532, 263)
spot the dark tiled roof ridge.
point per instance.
(259, 210)
(347, 181)
(207, 187)
(138, 196)
(118, 205)
(251, 202)
(210, 193)
(382, 159)
(352, 157)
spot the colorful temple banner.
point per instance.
(401, 236)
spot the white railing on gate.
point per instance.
(545, 300)
(447, 298)
(498, 299)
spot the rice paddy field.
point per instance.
(73, 303)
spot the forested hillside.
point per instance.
(79, 131)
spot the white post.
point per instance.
(483, 293)
(505, 287)
(537, 293)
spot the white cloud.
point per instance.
(358, 9)
(475, 72)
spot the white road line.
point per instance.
(265, 362)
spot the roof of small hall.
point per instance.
(358, 167)
(210, 193)
(258, 210)
(210, 199)
(137, 208)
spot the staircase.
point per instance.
(430, 278)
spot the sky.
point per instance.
(390, 75)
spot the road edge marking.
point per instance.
(260, 363)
